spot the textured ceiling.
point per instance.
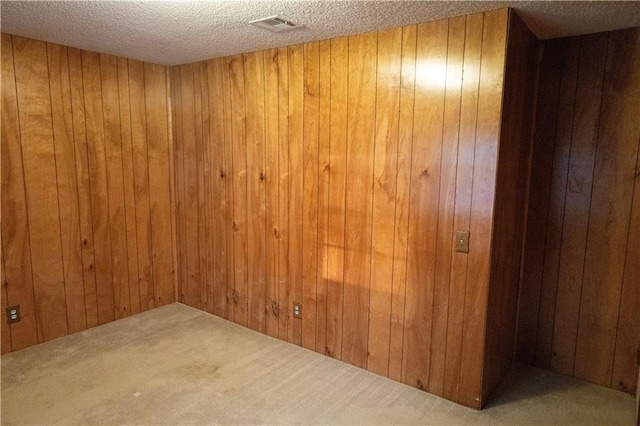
(187, 31)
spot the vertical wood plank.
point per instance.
(577, 199)
(98, 179)
(141, 184)
(463, 193)
(387, 103)
(129, 185)
(190, 183)
(115, 184)
(180, 186)
(446, 203)
(324, 142)
(337, 195)
(403, 191)
(431, 53)
(311, 58)
(240, 214)
(229, 178)
(285, 297)
(83, 185)
(35, 121)
(627, 336)
(541, 166)
(202, 283)
(484, 174)
(218, 181)
(256, 176)
(555, 220)
(157, 116)
(270, 61)
(16, 250)
(211, 260)
(172, 184)
(357, 241)
(296, 173)
(62, 120)
(614, 177)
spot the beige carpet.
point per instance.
(177, 365)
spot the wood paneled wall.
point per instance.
(510, 201)
(86, 189)
(580, 293)
(334, 174)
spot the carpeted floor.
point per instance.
(178, 365)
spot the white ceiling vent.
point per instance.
(275, 23)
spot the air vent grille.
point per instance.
(276, 24)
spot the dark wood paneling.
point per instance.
(75, 189)
(575, 306)
(510, 202)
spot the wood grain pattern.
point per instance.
(519, 92)
(577, 198)
(284, 283)
(431, 54)
(115, 184)
(158, 152)
(359, 184)
(587, 330)
(296, 185)
(462, 212)
(220, 250)
(446, 203)
(92, 89)
(272, 240)
(75, 188)
(128, 184)
(16, 247)
(337, 176)
(609, 213)
(256, 176)
(403, 189)
(384, 197)
(482, 197)
(367, 146)
(239, 147)
(324, 169)
(62, 121)
(38, 156)
(310, 150)
(541, 167)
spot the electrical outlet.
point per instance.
(13, 314)
(297, 310)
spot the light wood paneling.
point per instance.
(16, 247)
(384, 197)
(67, 185)
(403, 189)
(336, 208)
(75, 188)
(38, 156)
(256, 176)
(431, 59)
(349, 165)
(575, 308)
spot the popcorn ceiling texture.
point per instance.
(178, 32)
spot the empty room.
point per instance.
(320, 212)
